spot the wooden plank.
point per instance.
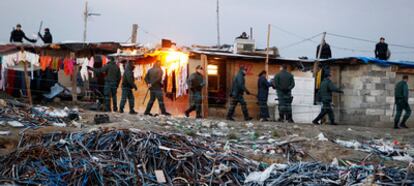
(204, 64)
(27, 80)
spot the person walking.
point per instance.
(112, 79)
(195, 83)
(128, 84)
(262, 95)
(401, 101)
(284, 82)
(238, 89)
(154, 82)
(325, 95)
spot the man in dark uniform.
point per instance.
(326, 51)
(238, 89)
(153, 80)
(195, 83)
(401, 101)
(284, 83)
(325, 95)
(128, 84)
(17, 35)
(112, 79)
(262, 95)
(47, 37)
(381, 50)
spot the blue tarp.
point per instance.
(383, 63)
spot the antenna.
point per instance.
(86, 15)
(218, 23)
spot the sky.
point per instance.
(189, 22)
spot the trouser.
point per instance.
(233, 104)
(264, 110)
(402, 105)
(127, 94)
(326, 109)
(155, 94)
(110, 89)
(285, 105)
(195, 103)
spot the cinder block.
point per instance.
(370, 99)
(389, 99)
(375, 112)
(377, 92)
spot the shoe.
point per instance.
(186, 114)
(280, 120)
(121, 111)
(248, 119)
(315, 122)
(334, 123)
(133, 112)
(166, 114)
(230, 119)
(397, 127)
(291, 121)
(403, 126)
(148, 114)
(115, 109)
(199, 117)
(263, 120)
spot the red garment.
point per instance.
(45, 62)
(11, 80)
(68, 69)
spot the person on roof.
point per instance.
(238, 89)
(326, 50)
(17, 35)
(127, 85)
(284, 82)
(381, 50)
(243, 36)
(401, 101)
(47, 37)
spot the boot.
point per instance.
(230, 118)
(132, 112)
(248, 118)
(121, 111)
(315, 122)
(166, 114)
(403, 125)
(289, 118)
(186, 114)
(281, 117)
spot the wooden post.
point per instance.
(134, 34)
(27, 80)
(316, 65)
(204, 64)
(267, 51)
(74, 78)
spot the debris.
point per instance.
(349, 144)
(101, 118)
(222, 124)
(5, 133)
(260, 177)
(59, 124)
(249, 125)
(321, 137)
(159, 174)
(15, 124)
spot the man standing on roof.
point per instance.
(17, 35)
(381, 50)
(154, 82)
(128, 84)
(401, 101)
(284, 82)
(326, 51)
(195, 83)
(112, 79)
(238, 89)
(47, 37)
(325, 95)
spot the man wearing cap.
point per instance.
(325, 95)
(154, 82)
(401, 101)
(381, 50)
(195, 83)
(17, 35)
(284, 82)
(47, 37)
(238, 89)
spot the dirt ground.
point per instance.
(248, 138)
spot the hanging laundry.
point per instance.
(104, 60)
(45, 62)
(84, 62)
(91, 62)
(68, 69)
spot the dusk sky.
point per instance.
(194, 22)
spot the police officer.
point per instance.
(401, 101)
(127, 85)
(262, 95)
(238, 89)
(47, 37)
(195, 83)
(112, 79)
(153, 80)
(17, 35)
(284, 83)
(325, 95)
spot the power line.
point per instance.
(301, 41)
(367, 40)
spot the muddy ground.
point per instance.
(248, 138)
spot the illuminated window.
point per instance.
(212, 70)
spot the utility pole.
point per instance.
(86, 15)
(218, 23)
(267, 50)
(316, 65)
(134, 35)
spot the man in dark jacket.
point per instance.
(326, 51)
(325, 95)
(153, 80)
(47, 37)
(284, 82)
(401, 101)
(238, 89)
(262, 95)
(195, 83)
(381, 50)
(112, 79)
(17, 35)
(128, 84)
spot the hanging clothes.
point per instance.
(69, 65)
(84, 62)
(45, 62)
